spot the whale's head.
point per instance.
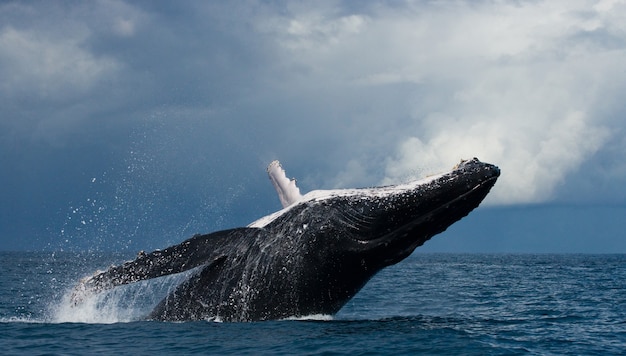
(386, 224)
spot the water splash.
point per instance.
(159, 191)
(123, 304)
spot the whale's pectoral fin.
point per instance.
(189, 254)
(288, 192)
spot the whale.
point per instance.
(309, 258)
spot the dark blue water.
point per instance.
(428, 304)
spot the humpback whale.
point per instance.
(309, 258)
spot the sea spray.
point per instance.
(125, 303)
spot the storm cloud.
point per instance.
(186, 103)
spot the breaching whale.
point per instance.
(309, 258)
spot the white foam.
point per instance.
(314, 317)
(21, 319)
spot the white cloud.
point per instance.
(522, 85)
(532, 162)
(48, 67)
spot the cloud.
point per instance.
(361, 94)
(532, 163)
(201, 96)
(49, 67)
(39, 71)
(54, 82)
(523, 85)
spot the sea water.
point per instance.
(454, 304)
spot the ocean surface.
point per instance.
(447, 304)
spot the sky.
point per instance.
(134, 125)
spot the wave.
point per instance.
(312, 317)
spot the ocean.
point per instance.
(445, 304)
